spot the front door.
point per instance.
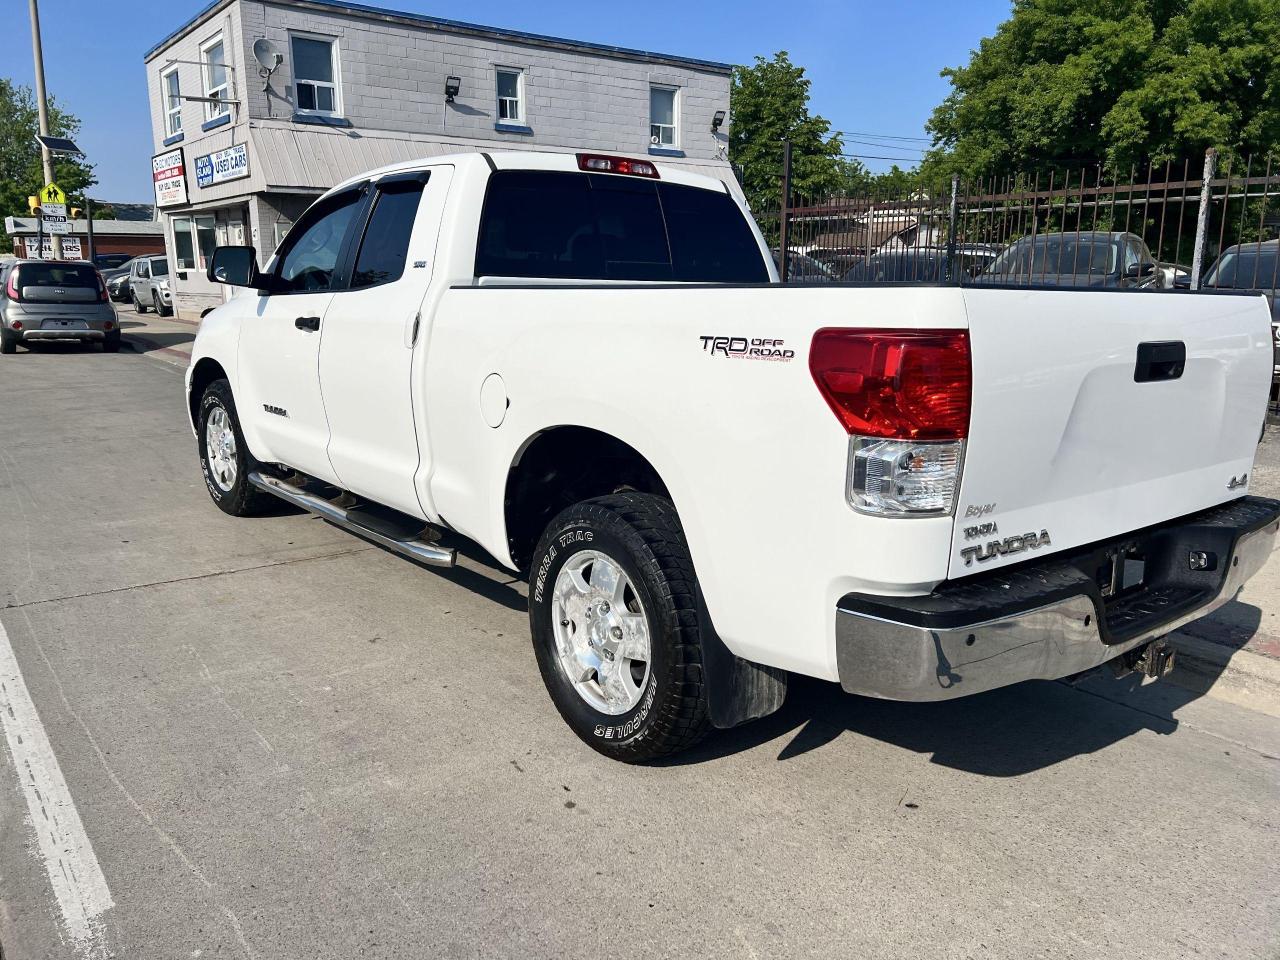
(367, 349)
(280, 344)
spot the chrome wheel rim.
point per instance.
(601, 632)
(220, 449)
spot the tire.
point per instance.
(111, 344)
(160, 308)
(238, 497)
(138, 306)
(665, 709)
(8, 344)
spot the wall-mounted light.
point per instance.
(452, 87)
(717, 121)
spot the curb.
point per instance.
(1237, 676)
(136, 341)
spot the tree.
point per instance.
(1128, 81)
(21, 174)
(770, 103)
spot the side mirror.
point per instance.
(1136, 270)
(235, 266)
(1182, 283)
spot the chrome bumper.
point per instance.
(880, 656)
(64, 334)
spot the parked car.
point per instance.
(578, 363)
(149, 285)
(117, 280)
(918, 265)
(54, 300)
(1083, 259)
(111, 261)
(802, 268)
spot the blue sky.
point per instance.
(874, 65)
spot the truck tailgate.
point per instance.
(1084, 428)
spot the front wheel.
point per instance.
(138, 306)
(224, 456)
(613, 612)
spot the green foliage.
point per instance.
(21, 174)
(771, 104)
(1128, 81)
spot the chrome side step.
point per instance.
(413, 547)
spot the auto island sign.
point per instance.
(170, 176)
(224, 165)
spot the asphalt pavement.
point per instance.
(272, 740)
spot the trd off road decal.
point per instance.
(743, 348)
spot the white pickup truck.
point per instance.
(584, 364)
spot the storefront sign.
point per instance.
(169, 174)
(71, 248)
(224, 165)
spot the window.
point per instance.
(56, 275)
(509, 108)
(160, 267)
(172, 102)
(385, 246)
(600, 227)
(310, 254)
(315, 87)
(206, 240)
(140, 269)
(215, 77)
(183, 246)
(662, 116)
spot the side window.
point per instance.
(1131, 255)
(711, 241)
(143, 273)
(385, 245)
(313, 246)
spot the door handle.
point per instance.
(307, 323)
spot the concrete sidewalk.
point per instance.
(1232, 655)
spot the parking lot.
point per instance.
(284, 742)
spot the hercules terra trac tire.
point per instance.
(642, 534)
(242, 499)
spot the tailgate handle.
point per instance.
(307, 323)
(1160, 360)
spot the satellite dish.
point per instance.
(267, 54)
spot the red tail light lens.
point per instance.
(11, 288)
(102, 289)
(895, 384)
(597, 163)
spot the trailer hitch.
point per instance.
(1154, 660)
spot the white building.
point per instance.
(258, 106)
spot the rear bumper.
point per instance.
(1047, 619)
(89, 334)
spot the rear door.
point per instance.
(370, 331)
(1084, 426)
(279, 379)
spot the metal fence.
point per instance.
(1195, 224)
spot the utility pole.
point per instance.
(42, 101)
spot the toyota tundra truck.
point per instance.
(585, 364)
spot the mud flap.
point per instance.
(737, 690)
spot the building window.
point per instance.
(662, 117)
(509, 106)
(315, 84)
(183, 247)
(214, 56)
(206, 240)
(172, 102)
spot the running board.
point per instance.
(412, 547)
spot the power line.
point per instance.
(887, 146)
(873, 156)
(881, 136)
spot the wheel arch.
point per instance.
(565, 464)
(205, 372)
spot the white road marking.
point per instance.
(77, 880)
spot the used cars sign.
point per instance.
(229, 164)
(169, 174)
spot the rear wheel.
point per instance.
(8, 343)
(613, 613)
(224, 456)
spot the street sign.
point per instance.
(54, 216)
(71, 248)
(52, 193)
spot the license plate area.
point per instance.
(1122, 571)
(60, 324)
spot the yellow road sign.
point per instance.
(52, 193)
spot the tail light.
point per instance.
(597, 163)
(903, 396)
(11, 288)
(102, 288)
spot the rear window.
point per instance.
(583, 226)
(57, 275)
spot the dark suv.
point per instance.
(55, 300)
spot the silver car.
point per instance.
(55, 300)
(149, 285)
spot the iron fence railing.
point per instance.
(1198, 225)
